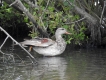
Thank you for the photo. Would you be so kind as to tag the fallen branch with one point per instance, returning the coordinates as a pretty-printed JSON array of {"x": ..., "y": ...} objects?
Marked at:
[{"x": 8, "y": 36}]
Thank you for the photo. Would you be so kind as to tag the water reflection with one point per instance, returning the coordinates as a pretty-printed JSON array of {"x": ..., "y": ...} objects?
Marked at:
[
  {"x": 53, "y": 67},
  {"x": 73, "y": 65},
  {"x": 48, "y": 68},
  {"x": 87, "y": 65}
]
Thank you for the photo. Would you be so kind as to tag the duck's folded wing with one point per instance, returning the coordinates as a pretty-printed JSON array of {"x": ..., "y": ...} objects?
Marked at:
[{"x": 40, "y": 42}]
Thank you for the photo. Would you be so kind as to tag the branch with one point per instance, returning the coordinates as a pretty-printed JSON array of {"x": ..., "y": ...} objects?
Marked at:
[
  {"x": 20, "y": 6},
  {"x": 102, "y": 12},
  {"x": 4, "y": 42},
  {"x": 43, "y": 14},
  {"x": 8, "y": 36},
  {"x": 76, "y": 21},
  {"x": 84, "y": 13}
]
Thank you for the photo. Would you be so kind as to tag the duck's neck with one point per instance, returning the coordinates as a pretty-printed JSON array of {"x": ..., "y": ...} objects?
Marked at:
[
  {"x": 59, "y": 38},
  {"x": 60, "y": 43}
]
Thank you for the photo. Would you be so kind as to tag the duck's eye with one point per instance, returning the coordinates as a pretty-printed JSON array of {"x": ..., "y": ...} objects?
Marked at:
[{"x": 62, "y": 29}]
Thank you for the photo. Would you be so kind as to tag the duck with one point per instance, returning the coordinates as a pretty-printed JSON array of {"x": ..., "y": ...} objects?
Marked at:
[{"x": 47, "y": 46}]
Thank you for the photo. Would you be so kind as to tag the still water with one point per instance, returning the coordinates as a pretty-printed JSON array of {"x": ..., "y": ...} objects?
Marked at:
[{"x": 80, "y": 64}]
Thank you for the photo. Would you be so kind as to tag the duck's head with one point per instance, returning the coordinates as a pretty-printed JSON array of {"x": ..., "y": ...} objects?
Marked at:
[{"x": 61, "y": 31}]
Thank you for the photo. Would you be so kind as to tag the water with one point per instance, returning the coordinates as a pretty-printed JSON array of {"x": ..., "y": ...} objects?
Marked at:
[{"x": 78, "y": 64}]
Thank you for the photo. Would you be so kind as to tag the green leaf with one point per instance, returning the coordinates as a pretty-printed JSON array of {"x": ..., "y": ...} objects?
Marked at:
[
  {"x": 8, "y": 10},
  {"x": 26, "y": 19},
  {"x": 65, "y": 26},
  {"x": 77, "y": 16},
  {"x": 51, "y": 9}
]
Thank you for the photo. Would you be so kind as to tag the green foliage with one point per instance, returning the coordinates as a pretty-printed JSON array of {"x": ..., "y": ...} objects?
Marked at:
[
  {"x": 49, "y": 16},
  {"x": 8, "y": 16},
  {"x": 5, "y": 12},
  {"x": 33, "y": 34},
  {"x": 76, "y": 36},
  {"x": 79, "y": 36},
  {"x": 56, "y": 15}
]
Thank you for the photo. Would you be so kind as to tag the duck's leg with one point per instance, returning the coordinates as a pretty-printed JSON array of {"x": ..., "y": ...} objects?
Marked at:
[{"x": 30, "y": 48}]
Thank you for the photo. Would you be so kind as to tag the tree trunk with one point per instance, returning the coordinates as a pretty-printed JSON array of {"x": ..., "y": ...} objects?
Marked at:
[{"x": 94, "y": 24}]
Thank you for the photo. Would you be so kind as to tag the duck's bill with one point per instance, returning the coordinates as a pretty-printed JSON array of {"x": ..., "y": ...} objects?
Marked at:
[{"x": 67, "y": 33}]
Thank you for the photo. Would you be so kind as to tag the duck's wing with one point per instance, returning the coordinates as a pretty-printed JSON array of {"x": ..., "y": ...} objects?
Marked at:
[{"x": 39, "y": 42}]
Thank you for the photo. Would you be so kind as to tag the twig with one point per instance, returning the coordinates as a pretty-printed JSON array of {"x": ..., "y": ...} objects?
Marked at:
[
  {"x": 30, "y": 59},
  {"x": 102, "y": 12},
  {"x": 77, "y": 21},
  {"x": 45, "y": 8},
  {"x": 43, "y": 14},
  {"x": 2, "y": 52},
  {"x": 4, "y": 42},
  {"x": 7, "y": 55},
  {"x": 42, "y": 23},
  {"x": 13, "y": 3}
]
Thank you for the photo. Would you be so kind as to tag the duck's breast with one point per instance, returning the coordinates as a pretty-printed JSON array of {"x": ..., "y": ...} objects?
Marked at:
[{"x": 48, "y": 51}]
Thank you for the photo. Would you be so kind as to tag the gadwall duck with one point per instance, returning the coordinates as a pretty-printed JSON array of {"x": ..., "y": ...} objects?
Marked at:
[{"x": 46, "y": 46}]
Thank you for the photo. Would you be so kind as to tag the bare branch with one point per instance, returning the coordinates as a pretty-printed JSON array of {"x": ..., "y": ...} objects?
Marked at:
[
  {"x": 4, "y": 42},
  {"x": 84, "y": 13},
  {"x": 76, "y": 21},
  {"x": 20, "y": 6},
  {"x": 15, "y": 42},
  {"x": 13, "y": 3},
  {"x": 102, "y": 12},
  {"x": 43, "y": 14}
]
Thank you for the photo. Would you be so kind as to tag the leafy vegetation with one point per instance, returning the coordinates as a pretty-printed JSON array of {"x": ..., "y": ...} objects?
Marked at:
[
  {"x": 49, "y": 15},
  {"x": 8, "y": 15},
  {"x": 12, "y": 20}
]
